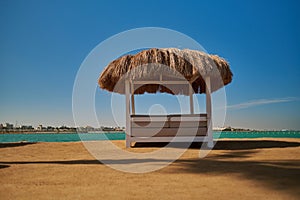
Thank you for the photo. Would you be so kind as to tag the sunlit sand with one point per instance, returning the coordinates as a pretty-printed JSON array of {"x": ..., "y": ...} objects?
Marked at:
[{"x": 237, "y": 169}]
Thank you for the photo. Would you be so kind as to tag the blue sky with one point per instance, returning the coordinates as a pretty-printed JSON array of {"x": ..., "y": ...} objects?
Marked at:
[{"x": 43, "y": 44}]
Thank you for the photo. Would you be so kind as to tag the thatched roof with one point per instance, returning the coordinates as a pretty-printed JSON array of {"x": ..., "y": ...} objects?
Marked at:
[{"x": 169, "y": 63}]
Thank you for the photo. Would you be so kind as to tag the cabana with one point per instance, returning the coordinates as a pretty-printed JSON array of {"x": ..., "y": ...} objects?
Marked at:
[{"x": 172, "y": 71}]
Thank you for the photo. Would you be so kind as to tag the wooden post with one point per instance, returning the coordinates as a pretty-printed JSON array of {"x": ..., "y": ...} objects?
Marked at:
[
  {"x": 191, "y": 99},
  {"x": 132, "y": 104},
  {"x": 127, "y": 104},
  {"x": 132, "y": 99},
  {"x": 209, "y": 112}
]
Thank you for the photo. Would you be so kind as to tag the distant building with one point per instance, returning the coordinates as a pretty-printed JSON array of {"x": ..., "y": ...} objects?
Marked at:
[
  {"x": 50, "y": 128},
  {"x": 8, "y": 126},
  {"x": 228, "y": 128},
  {"x": 40, "y": 127},
  {"x": 26, "y": 128},
  {"x": 118, "y": 129},
  {"x": 89, "y": 128},
  {"x": 66, "y": 129},
  {"x": 63, "y": 128},
  {"x": 108, "y": 129}
]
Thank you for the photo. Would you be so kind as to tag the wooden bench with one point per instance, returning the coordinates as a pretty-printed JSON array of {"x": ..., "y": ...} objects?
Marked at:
[{"x": 167, "y": 128}]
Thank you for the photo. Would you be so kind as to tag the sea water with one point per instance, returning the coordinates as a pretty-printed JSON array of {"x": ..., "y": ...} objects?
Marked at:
[
  {"x": 61, "y": 137},
  {"x": 259, "y": 134},
  {"x": 75, "y": 137}
]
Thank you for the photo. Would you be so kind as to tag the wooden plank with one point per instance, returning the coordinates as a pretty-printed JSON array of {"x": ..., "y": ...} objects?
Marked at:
[
  {"x": 169, "y": 139},
  {"x": 149, "y": 119},
  {"x": 184, "y": 119},
  {"x": 168, "y": 124},
  {"x": 185, "y": 124},
  {"x": 168, "y": 132},
  {"x": 170, "y": 115},
  {"x": 149, "y": 124},
  {"x": 195, "y": 77},
  {"x": 160, "y": 82},
  {"x": 164, "y": 119}
]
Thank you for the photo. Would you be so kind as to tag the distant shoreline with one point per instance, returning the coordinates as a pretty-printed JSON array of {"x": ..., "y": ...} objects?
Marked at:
[
  {"x": 55, "y": 132},
  {"x": 112, "y": 132}
]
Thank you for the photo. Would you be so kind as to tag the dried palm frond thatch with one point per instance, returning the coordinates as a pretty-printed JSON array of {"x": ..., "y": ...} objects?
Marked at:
[{"x": 153, "y": 64}]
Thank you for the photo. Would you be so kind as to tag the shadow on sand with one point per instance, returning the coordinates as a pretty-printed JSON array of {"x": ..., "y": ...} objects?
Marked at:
[
  {"x": 15, "y": 144},
  {"x": 4, "y": 166},
  {"x": 280, "y": 175},
  {"x": 228, "y": 145}
]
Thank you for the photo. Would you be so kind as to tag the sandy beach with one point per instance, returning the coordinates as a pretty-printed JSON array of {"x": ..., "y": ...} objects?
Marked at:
[{"x": 235, "y": 169}]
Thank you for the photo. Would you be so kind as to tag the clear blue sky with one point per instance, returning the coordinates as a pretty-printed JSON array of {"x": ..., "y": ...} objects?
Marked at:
[{"x": 43, "y": 43}]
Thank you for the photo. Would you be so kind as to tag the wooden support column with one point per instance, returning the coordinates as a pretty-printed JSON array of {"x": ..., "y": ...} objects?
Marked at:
[
  {"x": 209, "y": 112},
  {"x": 127, "y": 104},
  {"x": 191, "y": 99},
  {"x": 132, "y": 99}
]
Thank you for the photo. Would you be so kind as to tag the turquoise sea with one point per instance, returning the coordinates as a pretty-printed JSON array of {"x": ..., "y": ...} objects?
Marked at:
[{"x": 73, "y": 137}]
